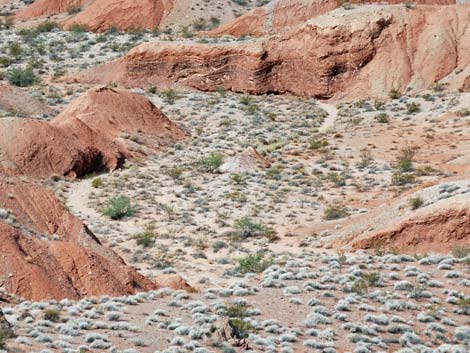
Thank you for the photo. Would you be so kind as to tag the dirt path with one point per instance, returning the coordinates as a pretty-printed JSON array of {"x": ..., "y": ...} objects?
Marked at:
[
  {"x": 77, "y": 201},
  {"x": 332, "y": 115}
]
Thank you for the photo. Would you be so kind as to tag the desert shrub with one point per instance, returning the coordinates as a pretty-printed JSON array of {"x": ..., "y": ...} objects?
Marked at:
[
  {"x": 403, "y": 179},
  {"x": 240, "y": 330},
  {"x": 146, "y": 239},
  {"x": 97, "y": 183},
  {"x": 119, "y": 207},
  {"x": 253, "y": 263},
  {"x": 3, "y": 337},
  {"x": 52, "y": 315},
  {"x": 218, "y": 245},
  {"x": 413, "y": 108},
  {"x": 15, "y": 49},
  {"x": 464, "y": 303},
  {"x": 383, "y": 118},
  {"x": 335, "y": 212},
  {"x": 175, "y": 172},
  {"x": 211, "y": 163},
  {"x": 317, "y": 143},
  {"x": 360, "y": 286},
  {"x": 416, "y": 202},
  {"x": 463, "y": 112},
  {"x": 170, "y": 96},
  {"x": 45, "y": 27},
  {"x": 72, "y": 10},
  {"x": 394, "y": 93},
  {"x": 237, "y": 310},
  {"x": 372, "y": 278},
  {"x": 77, "y": 28},
  {"x": 21, "y": 77},
  {"x": 404, "y": 160},
  {"x": 461, "y": 251},
  {"x": 245, "y": 228}
]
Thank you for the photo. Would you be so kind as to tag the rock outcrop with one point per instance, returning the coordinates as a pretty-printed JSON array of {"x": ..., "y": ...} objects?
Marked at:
[
  {"x": 438, "y": 232},
  {"x": 49, "y": 7},
  {"x": 101, "y": 15},
  {"x": 86, "y": 137},
  {"x": 364, "y": 52},
  {"x": 280, "y": 15},
  {"x": 47, "y": 253},
  {"x": 247, "y": 161}
]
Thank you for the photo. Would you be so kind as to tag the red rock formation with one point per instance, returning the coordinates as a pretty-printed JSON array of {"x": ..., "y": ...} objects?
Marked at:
[
  {"x": 86, "y": 137},
  {"x": 283, "y": 14},
  {"x": 364, "y": 52},
  {"x": 101, "y": 15},
  {"x": 35, "y": 148},
  {"x": 46, "y": 252},
  {"x": 43, "y": 269},
  {"x": 438, "y": 232},
  {"x": 48, "y": 7},
  {"x": 111, "y": 113}
]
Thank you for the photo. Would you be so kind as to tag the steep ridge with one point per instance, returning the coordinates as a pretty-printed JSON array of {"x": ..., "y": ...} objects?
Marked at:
[
  {"x": 362, "y": 52},
  {"x": 48, "y": 253},
  {"x": 86, "y": 137}
]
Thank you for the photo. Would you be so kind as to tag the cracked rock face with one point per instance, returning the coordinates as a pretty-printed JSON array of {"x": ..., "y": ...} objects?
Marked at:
[{"x": 340, "y": 55}]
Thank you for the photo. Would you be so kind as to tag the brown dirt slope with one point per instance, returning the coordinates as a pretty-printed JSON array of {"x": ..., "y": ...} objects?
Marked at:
[
  {"x": 283, "y": 14},
  {"x": 86, "y": 137},
  {"x": 16, "y": 101},
  {"x": 362, "y": 52}
]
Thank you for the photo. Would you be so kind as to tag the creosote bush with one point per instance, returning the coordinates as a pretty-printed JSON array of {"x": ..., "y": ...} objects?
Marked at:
[
  {"x": 52, "y": 315},
  {"x": 335, "y": 212},
  {"x": 416, "y": 202},
  {"x": 211, "y": 163},
  {"x": 253, "y": 263},
  {"x": 97, "y": 183},
  {"x": 461, "y": 251},
  {"x": 245, "y": 228},
  {"x": 146, "y": 239},
  {"x": 119, "y": 207},
  {"x": 21, "y": 77}
]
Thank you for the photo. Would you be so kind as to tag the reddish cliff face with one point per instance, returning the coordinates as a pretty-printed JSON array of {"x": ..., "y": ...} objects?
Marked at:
[
  {"x": 284, "y": 14},
  {"x": 46, "y": 252},
  {"x": 363, "y": 52},
  {"x": 101, "y": 15},
  {"x": 439, "y": 232},
  {"x": 86, "y": 137}
]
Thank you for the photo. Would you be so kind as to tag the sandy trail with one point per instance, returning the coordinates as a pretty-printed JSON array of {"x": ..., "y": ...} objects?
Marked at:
[
  {"x": 332, "y": 115},
  {"x": 77, "y": 200}
]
